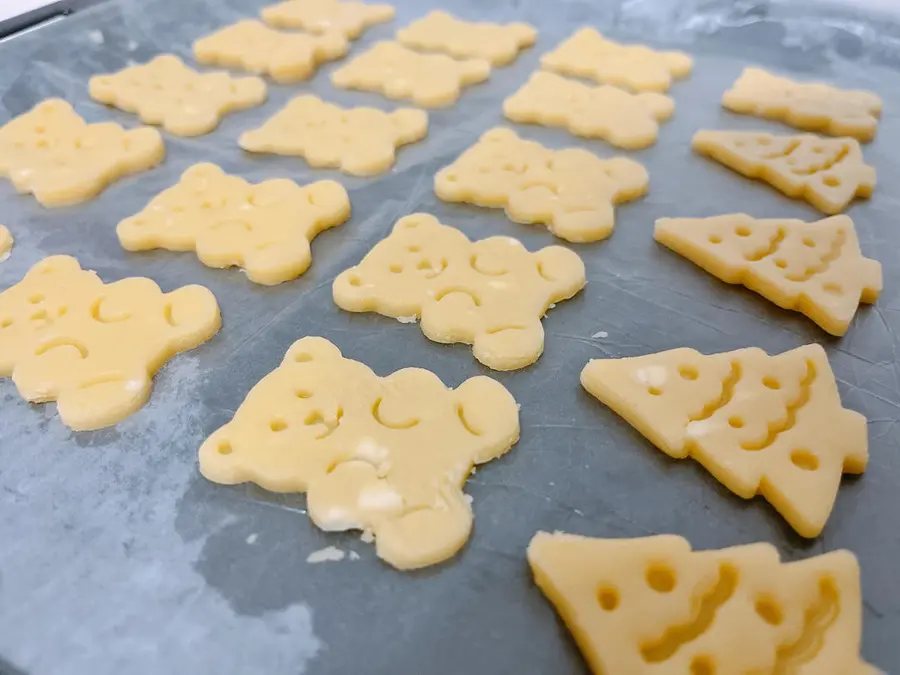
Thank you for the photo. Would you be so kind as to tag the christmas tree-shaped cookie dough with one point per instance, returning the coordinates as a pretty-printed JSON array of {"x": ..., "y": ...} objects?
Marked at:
[
  {"x": 815, "y": 268},
  {"x": 768, "y": 425},
  {"x": 826, "y": 172},
  {"x": 652, "y": 606}
]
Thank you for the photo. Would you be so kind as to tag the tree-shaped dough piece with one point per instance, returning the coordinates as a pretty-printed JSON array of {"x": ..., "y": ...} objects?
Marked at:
[
  {"x": 625, "y": 120},
  {"x": 428, "y": 80},
  {"x": 490, "y": 293},
  {"x": 388, "y": 455},
  {"x": 52, "y": 153},
  {"x": 265, "y": 228},
  {"x": 359, "y": 141},
  {"x": 813, "y": 106},
  {"x": 814, "y": 268},
  {"x": 572, "y": 191},
  {"x": 65, "y": 336},
  {"x": 166, "y": 92},
  {"x": 324, "y": 16},
  {"x": 768, "y": 425},
  {"x": 652, "y": 606},
  {"x": 826, "y": 172}
]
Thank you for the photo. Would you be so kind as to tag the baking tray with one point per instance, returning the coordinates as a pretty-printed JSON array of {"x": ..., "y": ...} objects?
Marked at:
[{"x": 117, "y": 556}]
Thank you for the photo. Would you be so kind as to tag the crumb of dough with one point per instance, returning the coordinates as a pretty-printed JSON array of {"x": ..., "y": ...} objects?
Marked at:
[{"x": 327, "y": 554}]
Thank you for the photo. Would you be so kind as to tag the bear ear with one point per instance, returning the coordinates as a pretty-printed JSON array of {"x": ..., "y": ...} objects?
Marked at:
[
  {"x": 220, "y": 461},
  {"x": 490, "y": 414},
  {"x": 312, "y": 348},
  {"x": 562, "y": 268},
  {"x": 351, "y": 292}
]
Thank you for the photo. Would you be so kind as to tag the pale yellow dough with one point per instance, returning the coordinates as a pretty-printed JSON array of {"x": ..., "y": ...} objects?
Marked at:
[
  {"x": 626, "y": 120},
  {"x": 490, "y": 293},
  {"x": 428, "y": 80},
  {"x": 359, "y": 141},
  {"x": 166, "y": 92},
  {"x": 652, "y": 606},
  {"x": 54, "y": 154},
  {"x": 265, "y": 228},
  {"x": 572, "y": 191},
  {"x": 768, "y": 425},
  {"x": 439, "y": 31},
  {"x": 387, "y": 455},
  {"x": 252, "y": 46},
  {"x": 826, "y": 172},
  {"x": 324, "y": 16},
  {"x": 813, "y": 106},
  {"x": 815, "y": 268},
  {"x": 66, "y": 336},
  {"x": 6, "y": 243},
  {"x": 588, "y": 54}
]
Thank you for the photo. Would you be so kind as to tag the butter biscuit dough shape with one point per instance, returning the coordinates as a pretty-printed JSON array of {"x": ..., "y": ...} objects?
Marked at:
[
  {"x": 253, "y": 46},
  {"x": 52, "y": 153},
  {"x": 490, "y": 293},
  {"x": 387, "y": 455},
  {"x": 65, "y": 336},
  {"x": 325, "y": 16},
  {"x": 359, "y": 141},
  {"x": 815, "y": 268},
  {"x": 826, "y": 172},
  {"x": 266, "y": 228},
  {"x": 760, "y": 424},
  {"x": 623, "y": 119},
  {"x": 166, "y": 92},
  {"x": 811, "y": 106},
  {"x": 439, "y": 31},
  {"x": 572, "y": 191},
  {"x": 428, "y": 80},
  {"x": 588, "y": 54},
  {"x": 6, "y": 243},
  {"x": 653, "y": 606}
]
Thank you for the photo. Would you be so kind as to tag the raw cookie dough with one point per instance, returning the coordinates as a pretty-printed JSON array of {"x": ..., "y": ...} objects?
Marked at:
[
  {"x": 768, "y": 425},
  {"x": 428, "y": 80},
  {"x": 54, "y": 154},
  {"x": 815, "y": 268},
  {"x": 65, "y": 336},
  {"x": 826, "y": 172},
  {"x": 386, "y": 455},
  {"x": 590, "y": 55},
  {"x": 359, "y": 141},
  {"x": 265, "y": 228},
  {"x": 629, "y": 121},
  {"x": 490, "y": 294},
  {"x": 439, "y": 31},
  {"x": 185, "y": 102},
  {"x": 323, "y": 16},
  {"x": 6, "y": 243},
  {"x": 252, "y": 46},
  {"x": 652, "y": 606},
  {"x": 813, "y": 106},
  {"x": 571, "y": 190}
]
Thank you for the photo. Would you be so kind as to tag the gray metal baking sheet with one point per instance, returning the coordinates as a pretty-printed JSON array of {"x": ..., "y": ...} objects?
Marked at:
[{"x": 116, "y": 556}]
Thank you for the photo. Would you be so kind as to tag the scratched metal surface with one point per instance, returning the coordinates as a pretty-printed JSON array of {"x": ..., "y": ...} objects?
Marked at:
[{"x": 116, "y": 556}]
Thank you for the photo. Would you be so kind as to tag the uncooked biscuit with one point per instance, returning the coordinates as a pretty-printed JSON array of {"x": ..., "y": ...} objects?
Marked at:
[
  {"x": 252, "y": 46},
  {"x": 359, "y": 141},
  {"x": 588, "y": 54},
  {"x": 572, "y": 191},
  {"x": 652, "y": 606},
  {"x": 185, "y": 102},
  {"x": 6, "y": 243},
  {"x": 386, "y": 455},
  {"x": 625, "y": 120},
  {"x": 324, "y": 16},
  {"x": 265, "y": 228},
  {"x": 51, "y": 152},
  {"x": 439, "y": 31},
  {"x": 826, "y": 172},
  {"x": 813, "y": 106},
  {"x": 768, "y": 425},
  {"x": 490, "y": 293},
  {"x": 815, "y": 268},
  {"x": 65, "y": 336},
  {"x": 428, "y": 80}
]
